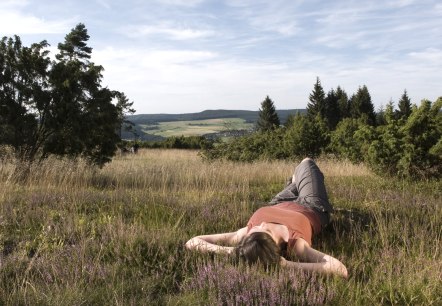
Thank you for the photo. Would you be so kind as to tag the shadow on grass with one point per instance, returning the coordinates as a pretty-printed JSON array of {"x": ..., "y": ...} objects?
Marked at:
[
  {"x": 345, "y": 236},
  {"x": 345, "y": 220}
]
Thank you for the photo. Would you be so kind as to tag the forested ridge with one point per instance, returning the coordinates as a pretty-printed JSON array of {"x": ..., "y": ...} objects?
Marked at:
[{"x": 248, "y": 115}]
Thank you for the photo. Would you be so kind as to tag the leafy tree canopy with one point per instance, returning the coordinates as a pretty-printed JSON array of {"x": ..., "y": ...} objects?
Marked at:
[{"x": 58, "y": 107}]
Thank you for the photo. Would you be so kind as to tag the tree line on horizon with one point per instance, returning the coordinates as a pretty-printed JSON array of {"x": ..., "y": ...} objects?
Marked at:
[
  {"x": 59, "y": 107},
  {"x": 404, "y": 142}
]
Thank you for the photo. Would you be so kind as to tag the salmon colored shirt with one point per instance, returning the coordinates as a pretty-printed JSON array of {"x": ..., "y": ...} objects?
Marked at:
[{"x": 302, "y": 222}]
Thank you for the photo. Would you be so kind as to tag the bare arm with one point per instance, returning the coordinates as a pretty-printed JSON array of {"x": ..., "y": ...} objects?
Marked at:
[
  {"x": 212, "y": 243},
  {"x": 314, "y": 260}
]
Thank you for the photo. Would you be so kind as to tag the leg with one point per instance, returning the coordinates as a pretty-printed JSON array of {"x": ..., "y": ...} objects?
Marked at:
[
  {"x": 289, "y": 193},
  {"x": 311, "y": 188}
]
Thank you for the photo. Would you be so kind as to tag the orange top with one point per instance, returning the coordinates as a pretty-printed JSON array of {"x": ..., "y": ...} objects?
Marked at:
[{"x": 302, "y": 222}]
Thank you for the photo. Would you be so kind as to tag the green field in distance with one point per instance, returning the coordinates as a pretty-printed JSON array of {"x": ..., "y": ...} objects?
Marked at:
[{"x": 195, "y": 127}]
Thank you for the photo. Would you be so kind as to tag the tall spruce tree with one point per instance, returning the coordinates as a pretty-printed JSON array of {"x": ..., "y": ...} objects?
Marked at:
[
  {"x": 343, "y": 103},
  {"x": 332, "y": 113},
  {"x": 316, "y": 106},
  {"x": 404, "y": 106},
  {"x": 361, "y": 106},
  {"x": 268, "y": 118}
]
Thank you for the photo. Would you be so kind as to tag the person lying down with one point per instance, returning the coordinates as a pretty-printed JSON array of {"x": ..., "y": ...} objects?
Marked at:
[{"x": 285, "y": 226}]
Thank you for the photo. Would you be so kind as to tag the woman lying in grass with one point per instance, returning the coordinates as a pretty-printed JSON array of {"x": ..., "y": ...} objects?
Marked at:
[{"x": 283, "y": 228}]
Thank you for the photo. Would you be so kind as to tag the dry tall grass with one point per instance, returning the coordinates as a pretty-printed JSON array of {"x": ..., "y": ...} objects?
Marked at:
[{"x": 71, "y": 234}]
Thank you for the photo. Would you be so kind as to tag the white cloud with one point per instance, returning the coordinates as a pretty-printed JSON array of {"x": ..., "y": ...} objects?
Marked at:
[
  {"x": 186, "y": 55},
  {"x": 187, "y": 3},
  {"x": 178, "y": 81},
  {"x": 400, "y": 3},
  {"x": 8, "y": 4},
  {"x": 174, "y": 33},
  {"x": 158, "y": 80},
  {"x": 10, "y": 13},
  {"x": 153, "y": 58},
  {"x": 104, "y": 3},
  {"x": 438, "y": 8},
  {"x": 267, "y": 16},
  {"x": 430, "y": 55}
]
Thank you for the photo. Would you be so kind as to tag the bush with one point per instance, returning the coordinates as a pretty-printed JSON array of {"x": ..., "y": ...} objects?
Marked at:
[
  {"x": 179, "y": 142},
  {"x": 421, "y": 142},
  {"x": 256, "y": 146},
  {"x": 306, "y": 137},
  {"x": 351, "y": 138},
  {"x": 410, "y": 149}
]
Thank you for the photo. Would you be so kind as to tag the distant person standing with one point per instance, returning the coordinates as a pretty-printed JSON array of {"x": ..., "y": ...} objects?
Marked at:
[
  {"x": 135, "y": 148},
  {"x": 284, "y": 228}
]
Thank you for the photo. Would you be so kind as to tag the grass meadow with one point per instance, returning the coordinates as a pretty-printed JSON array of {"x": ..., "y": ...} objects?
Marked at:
[
  {"x": 196, "y": 127},
  {"x": 74, "y": 235}
]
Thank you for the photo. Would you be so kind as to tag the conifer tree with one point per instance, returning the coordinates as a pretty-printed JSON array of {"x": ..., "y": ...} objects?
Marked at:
[
  {"x": 316, "y": 106},
  {"x": 268, "y": 118},
  {"x": 404, "y": 106},
  {"x": 58, "y": 107},
  {"x": 343, "y": 103},
  {"x": 332, "y": 113},
  {"x": 362, "y": 107}
]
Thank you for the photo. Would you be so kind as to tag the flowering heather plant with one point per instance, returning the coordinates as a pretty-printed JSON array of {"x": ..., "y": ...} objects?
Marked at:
[
  {"x": 230, "y": 285},
  {"x": 75, "y": 235}
]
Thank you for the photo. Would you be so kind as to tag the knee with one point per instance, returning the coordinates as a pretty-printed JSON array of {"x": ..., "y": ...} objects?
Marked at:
[{"x": 307, "y": 159}]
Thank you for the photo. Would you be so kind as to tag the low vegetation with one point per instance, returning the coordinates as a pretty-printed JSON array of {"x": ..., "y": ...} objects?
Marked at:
[
  {"x": 407, "y": 147},
  {"x": 76, "y": 235}
]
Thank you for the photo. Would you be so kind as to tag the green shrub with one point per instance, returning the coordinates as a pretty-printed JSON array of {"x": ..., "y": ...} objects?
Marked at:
[
  {"x": 306, "y": 137},
  {"x": 411, "y": 148},
  {"x": 351, "y": 139},
  {"x": 422, "y": 137}
]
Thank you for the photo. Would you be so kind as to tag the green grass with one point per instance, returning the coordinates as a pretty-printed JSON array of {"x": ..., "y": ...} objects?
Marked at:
[
  {"x": 71, "y": 235},
  {"x": 195, "y": 127}
]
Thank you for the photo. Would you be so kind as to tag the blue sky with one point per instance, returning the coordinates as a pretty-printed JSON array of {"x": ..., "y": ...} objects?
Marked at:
[{"x": 181, "y": 56}]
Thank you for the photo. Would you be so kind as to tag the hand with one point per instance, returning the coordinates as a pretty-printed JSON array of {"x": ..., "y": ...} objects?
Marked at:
[{"x": 282, "y": 261}]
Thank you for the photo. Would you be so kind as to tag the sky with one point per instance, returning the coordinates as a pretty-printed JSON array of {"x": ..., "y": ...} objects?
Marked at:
[{"x": 185, "y": 56}]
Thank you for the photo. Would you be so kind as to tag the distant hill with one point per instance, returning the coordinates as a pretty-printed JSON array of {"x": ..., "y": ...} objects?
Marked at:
[
  {"x": 159, "y": 126},
  {"x": 249, "y": 116}
]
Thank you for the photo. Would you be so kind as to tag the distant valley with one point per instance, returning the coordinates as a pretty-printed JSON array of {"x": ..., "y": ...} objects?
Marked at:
[{"x": 151, "y": 127}]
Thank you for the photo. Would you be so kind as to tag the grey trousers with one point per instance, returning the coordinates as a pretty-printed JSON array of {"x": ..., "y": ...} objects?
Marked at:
[{"x": 308, "y": 190}]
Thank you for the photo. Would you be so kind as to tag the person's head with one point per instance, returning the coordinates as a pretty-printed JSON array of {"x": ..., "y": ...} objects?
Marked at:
[{"x": 258, "y": 247}]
